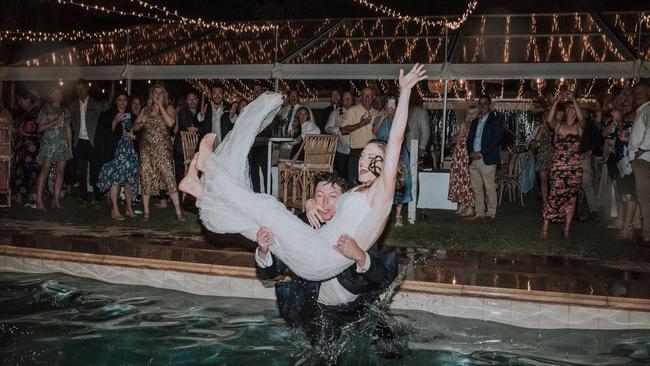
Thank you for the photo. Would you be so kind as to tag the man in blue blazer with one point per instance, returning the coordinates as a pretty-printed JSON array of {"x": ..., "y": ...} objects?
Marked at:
[{"x": 483, "y": 148}]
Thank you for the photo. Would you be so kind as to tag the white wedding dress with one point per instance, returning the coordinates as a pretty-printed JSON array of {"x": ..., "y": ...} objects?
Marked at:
[{"x": 229, "y": 205}]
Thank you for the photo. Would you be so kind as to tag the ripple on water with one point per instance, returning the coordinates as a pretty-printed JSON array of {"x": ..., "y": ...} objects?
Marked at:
[{"x": 58, "y": 319}]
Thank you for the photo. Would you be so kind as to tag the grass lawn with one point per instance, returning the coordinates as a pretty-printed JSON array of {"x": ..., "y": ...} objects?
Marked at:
[{"x": 515, "y": 231}]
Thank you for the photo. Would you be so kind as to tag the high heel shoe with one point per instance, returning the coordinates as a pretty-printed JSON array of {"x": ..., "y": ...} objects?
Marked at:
[
  {"x": 180, "y": 217},
  {"x": 543, "y": 235},
  {"x": 129, "y": 213},
  {"x": 565, "y": 234},
  {"x": 146, "y": 217}
]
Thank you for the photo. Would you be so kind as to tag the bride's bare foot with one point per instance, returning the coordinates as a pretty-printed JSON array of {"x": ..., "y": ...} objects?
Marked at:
[
  {"x": 191, "y": 184},
  {"x": 206, "y": 148}
]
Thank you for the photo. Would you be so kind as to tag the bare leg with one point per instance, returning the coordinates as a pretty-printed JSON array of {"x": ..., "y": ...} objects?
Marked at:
[
  {"x": 544, "y": 233},
  {"x": 40, "y": 183},
  {"x": 205, "y": 150},
  {"x": 177, "y": 206},
  {"x": 191, "y": 184},
  {"x": 58, "y": 183},
  {"x": 128, "y": 195},
  {"x": 543, "y": 177},
  {"x": 115, "y": 212},
  {"x": 567, "y": 223},
  {"x": 145, "y": 203},
  {"x": 398, "y": 214}
]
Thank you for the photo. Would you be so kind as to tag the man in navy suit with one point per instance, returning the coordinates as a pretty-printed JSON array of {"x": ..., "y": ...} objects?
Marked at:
[{"x": 483, "y": 148}]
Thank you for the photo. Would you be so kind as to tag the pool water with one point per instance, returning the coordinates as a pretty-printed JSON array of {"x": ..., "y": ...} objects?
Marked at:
[{"x": 55, "y": 319}]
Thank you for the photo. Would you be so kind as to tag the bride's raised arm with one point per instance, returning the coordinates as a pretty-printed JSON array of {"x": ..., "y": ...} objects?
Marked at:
[{"x": 384, "y": 187}]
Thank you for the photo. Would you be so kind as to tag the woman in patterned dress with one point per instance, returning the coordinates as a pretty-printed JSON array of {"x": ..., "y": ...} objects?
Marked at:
[
  {"x": 123, "y": 168},
  {"x": 542, "y": 145},
  {"x": 156, "y": 161},
  {"x": 566, "y": 172},
  {"x": 56, "y": 146},
  {"x": 25, "y": 169},
  {"x": 460, "y": 187},
  {"x": 381, "y": 128}
]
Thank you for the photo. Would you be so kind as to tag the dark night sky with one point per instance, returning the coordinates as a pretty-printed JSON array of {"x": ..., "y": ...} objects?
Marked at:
[{"x": 47, "y": 15}]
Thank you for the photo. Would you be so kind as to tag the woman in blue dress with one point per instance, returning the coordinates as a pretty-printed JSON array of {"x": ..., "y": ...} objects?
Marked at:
[
  {"x": 122, "y": 169},
  {"x": 381, "y": 128}
]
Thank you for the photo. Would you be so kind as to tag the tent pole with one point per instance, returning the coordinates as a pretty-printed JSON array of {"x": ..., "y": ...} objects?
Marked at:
[
  {"x": 444, "y": 124},
  {"x": 444, "y": 103}
]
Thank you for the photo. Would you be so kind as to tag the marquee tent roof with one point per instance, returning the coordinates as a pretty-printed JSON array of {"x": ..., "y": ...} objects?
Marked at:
[{"x": 509, "y": 46}]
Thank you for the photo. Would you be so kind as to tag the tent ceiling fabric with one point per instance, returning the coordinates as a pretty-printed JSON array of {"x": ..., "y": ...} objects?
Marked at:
[{"x": 517, "y": 46}]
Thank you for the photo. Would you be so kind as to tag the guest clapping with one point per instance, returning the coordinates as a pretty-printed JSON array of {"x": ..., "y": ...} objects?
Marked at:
[
  {"x": 56, "y": 145},
  {"x": 156, "y": 163}
]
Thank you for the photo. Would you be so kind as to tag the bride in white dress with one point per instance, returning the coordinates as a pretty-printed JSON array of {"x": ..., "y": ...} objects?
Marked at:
[{"x": 228, "y": 205}]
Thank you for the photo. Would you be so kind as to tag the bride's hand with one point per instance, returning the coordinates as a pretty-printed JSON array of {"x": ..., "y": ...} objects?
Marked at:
[
  {"x": 416, "y": 74},
  {"x": 313, "y": 210}
]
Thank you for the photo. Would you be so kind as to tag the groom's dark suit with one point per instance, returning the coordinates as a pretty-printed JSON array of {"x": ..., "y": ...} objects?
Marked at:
[{"x": 297, "y": 300}]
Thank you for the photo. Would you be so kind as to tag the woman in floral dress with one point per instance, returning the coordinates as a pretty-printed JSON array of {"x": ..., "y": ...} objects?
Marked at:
[
  {"x": 122, "y": 170},
  {"x": 156, "y": 161},
  {"x": 460, "y": 187},
  {"x": 56, "y": 146},
  {"x": 566, "y": 172},
  {"x": 25, "y": 169}
]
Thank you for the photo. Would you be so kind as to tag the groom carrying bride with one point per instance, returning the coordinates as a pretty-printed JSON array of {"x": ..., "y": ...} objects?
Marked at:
[{"x": 322, "y": 309}]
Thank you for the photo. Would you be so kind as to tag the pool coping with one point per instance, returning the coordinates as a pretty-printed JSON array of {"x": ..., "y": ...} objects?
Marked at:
[{"x": 408, "y": 285}]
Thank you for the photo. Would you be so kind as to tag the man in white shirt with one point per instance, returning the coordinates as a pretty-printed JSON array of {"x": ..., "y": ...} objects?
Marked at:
[
  {"x": 84, "y": 114},
  {"x": 639, "y": 154},
  {"x": 358, "y": 124},
  {"x": 333, "y": 127},
  {"x": 323, "y": 308},
  {"x": 287, "y": 114},
  {"x": 214, "y": 116}
]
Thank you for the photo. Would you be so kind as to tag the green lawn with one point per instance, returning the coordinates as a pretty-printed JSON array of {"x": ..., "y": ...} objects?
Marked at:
[{"x": 515, "y": 231}]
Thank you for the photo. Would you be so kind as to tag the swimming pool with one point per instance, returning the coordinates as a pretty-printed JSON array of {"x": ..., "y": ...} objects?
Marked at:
[{"x": 56, "y": 319}]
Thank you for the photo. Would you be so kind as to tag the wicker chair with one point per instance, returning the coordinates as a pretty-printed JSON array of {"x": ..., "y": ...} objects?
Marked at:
[
  {"x": 5, "y": 162},
  {"x": 297, "y": 177},
  {"x": 188, "y": 144}
]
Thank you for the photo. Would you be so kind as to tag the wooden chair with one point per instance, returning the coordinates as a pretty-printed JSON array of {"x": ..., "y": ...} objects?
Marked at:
[
  {"x": 319, "y": 152},
  {"x": 188, "y": 144},
  {"x": 5, "y": 162}
]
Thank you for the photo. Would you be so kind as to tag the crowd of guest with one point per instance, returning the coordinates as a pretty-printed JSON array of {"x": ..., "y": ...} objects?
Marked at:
[
  {"x": 134, "y": 146},
  {"x": 568, "y": 148}
]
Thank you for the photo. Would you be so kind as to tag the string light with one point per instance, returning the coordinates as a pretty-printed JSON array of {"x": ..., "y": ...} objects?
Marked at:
[
  {"x": 421, "y": 20},
  {"x": 240, "y": 27},
  {"x": 78, "y": 35}
]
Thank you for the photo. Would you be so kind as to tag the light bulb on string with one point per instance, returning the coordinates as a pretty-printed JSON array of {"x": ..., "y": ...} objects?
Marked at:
[{"x": 60, "y": 82}]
